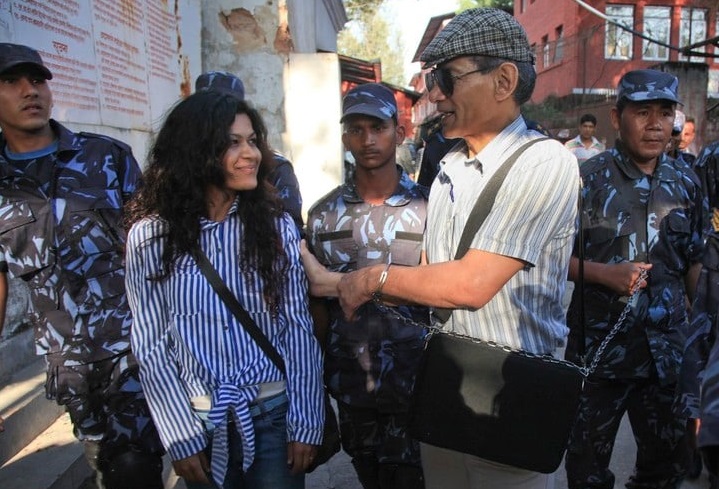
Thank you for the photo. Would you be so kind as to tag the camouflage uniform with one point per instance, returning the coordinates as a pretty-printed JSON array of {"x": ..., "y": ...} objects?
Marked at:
[
  {"x": 706, "y": 349},
  {"x": 704, "y": 308},
  {"x": 700, "y": 365},
  {"x": 62, "y": 233},
  {"x": 630, "y": 216},
  {"x": 285, "y": 181},
  {"x": 370, "y": 363}
]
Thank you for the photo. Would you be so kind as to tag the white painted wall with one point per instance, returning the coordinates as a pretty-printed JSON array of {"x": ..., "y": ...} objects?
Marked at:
[{"x": 313, "y": 106}]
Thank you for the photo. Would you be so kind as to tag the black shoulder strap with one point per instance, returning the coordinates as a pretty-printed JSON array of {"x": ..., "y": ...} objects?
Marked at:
[
  {"x": 486, "y": 199},
  {"x": 480, "y": 211},
  {"x": 237, "y": 310}
]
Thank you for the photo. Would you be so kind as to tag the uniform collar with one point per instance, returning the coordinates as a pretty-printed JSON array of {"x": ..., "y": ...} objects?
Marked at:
[
  {"x": 402, "y": 193},
  {"x": 67, "y": 140},
  {"x": 664, "y": 170}
]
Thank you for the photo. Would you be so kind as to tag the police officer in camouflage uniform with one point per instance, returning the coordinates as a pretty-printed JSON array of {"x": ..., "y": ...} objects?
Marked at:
[
  {"x": 700, "y": 366},
  {"x": 377, "y": 217},
  {"x": 61, "y": 197},
  {"x": 641, "y": 210},
  {"x": 701, "y": 359}
]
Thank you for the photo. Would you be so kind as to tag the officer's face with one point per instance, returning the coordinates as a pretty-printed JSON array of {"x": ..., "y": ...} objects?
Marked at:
[
  {"x": 645, "y": 128},
  {"x": 242, "y": 158},
  {"x": 25, "y": 100},
  {"x": 371, "y": 141}
]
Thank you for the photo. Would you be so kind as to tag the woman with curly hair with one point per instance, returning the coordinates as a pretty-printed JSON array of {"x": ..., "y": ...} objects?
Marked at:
[{"x": 224, "y": 411}]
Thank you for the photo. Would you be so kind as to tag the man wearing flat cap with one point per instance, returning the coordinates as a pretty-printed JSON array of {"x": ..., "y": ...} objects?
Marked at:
[
  {"x": 508, "y": 287},
  {"x": 642, "y": 211},
  {"x": 61, "y": 200},
  {"x": 376, "y": 218}
]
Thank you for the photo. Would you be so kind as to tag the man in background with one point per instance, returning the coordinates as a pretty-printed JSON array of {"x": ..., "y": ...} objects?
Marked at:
[
  {"x": 585, "y": 145},
  {"x": 686, "y": 142}
]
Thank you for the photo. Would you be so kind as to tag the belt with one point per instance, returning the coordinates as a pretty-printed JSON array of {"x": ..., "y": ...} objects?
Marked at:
[{"x": 263, "y": 406}]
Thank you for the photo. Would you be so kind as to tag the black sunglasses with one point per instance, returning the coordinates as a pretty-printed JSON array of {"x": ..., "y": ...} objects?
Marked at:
[{"x": 444, "y": 79}]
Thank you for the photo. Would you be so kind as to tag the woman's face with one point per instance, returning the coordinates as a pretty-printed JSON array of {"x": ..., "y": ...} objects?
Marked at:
[{"x": 242, "y": 158}]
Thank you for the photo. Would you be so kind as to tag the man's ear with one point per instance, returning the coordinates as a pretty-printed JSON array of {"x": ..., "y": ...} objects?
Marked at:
[
  {"x": 400, "y": 132},
  {"x": 615, "y": 117},
  {"x": 506, "y": 78}
]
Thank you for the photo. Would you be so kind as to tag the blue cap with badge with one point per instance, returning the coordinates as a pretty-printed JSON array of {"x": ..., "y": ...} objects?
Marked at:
[
  {"x": 221, "y": 81},
  {"x": 372, "y": 99},
  {"x": 643, "y": 85}
]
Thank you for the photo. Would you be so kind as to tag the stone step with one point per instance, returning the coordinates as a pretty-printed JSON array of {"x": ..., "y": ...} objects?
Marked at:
[
  {"x": 26, "y": 411},
  {"x": 16, "y": 352},
  {"x": 55, "y": 460}
]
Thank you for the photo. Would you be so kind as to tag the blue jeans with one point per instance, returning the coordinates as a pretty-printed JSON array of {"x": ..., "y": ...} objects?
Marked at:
[{"x": 269, "y": 469}]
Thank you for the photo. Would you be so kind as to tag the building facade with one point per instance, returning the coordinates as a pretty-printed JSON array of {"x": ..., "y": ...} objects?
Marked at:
[
  {"x": 582, "y": 51},
  {"x": 579, "y": 52}
]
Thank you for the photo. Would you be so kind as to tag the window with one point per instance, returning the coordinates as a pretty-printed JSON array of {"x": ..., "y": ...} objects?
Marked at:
[
  {"x": 657, "y": 25},
  {"x": 713, "y": 85},
  {"x": 559, "y": 49},
  {"x": 618, "y": 42},
  {"x": 692, "y": 29},
  {"x": 545, "y": 51}
]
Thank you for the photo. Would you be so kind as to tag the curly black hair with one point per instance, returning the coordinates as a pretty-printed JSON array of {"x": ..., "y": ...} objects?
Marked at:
[{"x": 185, "y": 159}]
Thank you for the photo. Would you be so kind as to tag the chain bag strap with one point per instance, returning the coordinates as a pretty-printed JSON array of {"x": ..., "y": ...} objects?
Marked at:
[
  {"x": 507, "y": 405},
  {"x": 586, "y": 370}
]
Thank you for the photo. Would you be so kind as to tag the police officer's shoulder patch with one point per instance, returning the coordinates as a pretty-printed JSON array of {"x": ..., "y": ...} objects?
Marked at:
[{"x": 91, "y": 135}]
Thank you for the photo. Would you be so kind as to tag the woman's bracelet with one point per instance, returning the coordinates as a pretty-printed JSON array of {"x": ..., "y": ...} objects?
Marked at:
[{"x": 377, "y": 294}]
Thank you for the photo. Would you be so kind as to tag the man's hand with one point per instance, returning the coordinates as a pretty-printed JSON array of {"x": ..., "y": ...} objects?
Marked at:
[
  {"x": 354, "y": 290},
  {"x": 623, "y": 277},
  {"x": 194, "y": 468},
  {"x": 300, "y": 456},
  {"x": 323, "y": 283}
]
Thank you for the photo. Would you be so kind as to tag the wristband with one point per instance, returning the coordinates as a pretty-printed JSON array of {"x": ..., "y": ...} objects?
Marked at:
[{"x": 382, "y": 280}]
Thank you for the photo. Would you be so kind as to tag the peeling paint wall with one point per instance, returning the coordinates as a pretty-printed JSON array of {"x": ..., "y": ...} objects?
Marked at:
[{"x": 240, "y": 36}]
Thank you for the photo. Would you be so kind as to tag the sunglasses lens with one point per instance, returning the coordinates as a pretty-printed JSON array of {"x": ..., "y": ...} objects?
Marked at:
[
  {"x": 442, "y": 78},
  {"x": 429, "y": 80},
  {"x": 445, "y": 81}
]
